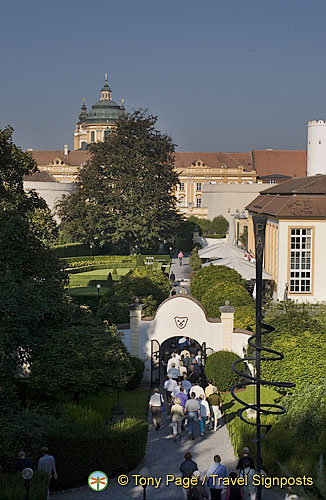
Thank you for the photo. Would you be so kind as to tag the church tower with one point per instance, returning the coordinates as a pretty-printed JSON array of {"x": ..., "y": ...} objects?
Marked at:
[{"x": 95, "y": 125}]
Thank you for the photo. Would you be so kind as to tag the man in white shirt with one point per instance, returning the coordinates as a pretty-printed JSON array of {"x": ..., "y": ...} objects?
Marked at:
[
  {"x": 169, "y": 385},
  {"x": 182, "y": 369},
  {"x": 155, "y": 403},
  {"x": 173, "y": 360},
  {"x": 47, "y": 464},
  {"x": 199, "y": 391}
]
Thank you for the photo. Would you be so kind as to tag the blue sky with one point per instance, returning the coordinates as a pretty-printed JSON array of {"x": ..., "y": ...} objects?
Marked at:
[{"x": 222, "y": 75}]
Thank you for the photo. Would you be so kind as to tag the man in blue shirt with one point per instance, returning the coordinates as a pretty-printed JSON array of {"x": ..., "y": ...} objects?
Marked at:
[
  {"x": 188, "y": 466},
  {"x": 215, "y": 475}
]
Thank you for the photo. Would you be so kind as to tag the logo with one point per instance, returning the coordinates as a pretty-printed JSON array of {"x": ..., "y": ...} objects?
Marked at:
[
  {"x": 98, "y": 481},
  {"x": 181, "y": 321}
]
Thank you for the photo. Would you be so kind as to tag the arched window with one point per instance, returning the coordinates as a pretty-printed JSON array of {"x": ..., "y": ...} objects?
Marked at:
[
  {"x": 83, "y": 145},
  {"x": 93, "y": 136}
]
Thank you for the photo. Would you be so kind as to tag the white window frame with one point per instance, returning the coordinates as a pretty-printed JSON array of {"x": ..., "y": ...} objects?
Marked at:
[
  {"x": 198, "y": 186},
  {"x": 182, "y": 186},
  {"x": 198, "y": 202},
  {"x": 300, "y": 260}
]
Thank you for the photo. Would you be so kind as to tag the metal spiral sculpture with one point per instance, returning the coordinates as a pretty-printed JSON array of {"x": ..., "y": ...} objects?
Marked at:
[{"x": 254, "y": 341}]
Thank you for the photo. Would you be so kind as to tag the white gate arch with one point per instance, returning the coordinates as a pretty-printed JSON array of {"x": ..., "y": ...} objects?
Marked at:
[{"x": 181, "y": 315}]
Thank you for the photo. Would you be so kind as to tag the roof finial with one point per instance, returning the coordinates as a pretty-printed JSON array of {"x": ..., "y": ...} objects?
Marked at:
[
  {"x": 106, "y": 78},
  {"x": 84, "y": 100}
]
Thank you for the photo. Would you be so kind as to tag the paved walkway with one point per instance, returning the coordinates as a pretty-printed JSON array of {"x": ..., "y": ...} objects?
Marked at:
[
  {"x": 163, "y": 456},
  {"x": 181, "y": 273}
]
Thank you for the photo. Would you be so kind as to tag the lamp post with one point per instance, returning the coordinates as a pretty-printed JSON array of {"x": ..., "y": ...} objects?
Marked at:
[
  {"x": 145, "y": 474},
  {"x": 27, "y": 476},
  {"x": 98, "y": 286},
  {"x": 136, "y": 247},
  {"x": 171, "y": 250},
  {"x": 91, "y": 250}
]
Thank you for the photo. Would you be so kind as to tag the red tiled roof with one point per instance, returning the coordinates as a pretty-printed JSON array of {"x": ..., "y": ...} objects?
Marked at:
[
  {"x": 231, "y": 160},
  {"x": 296, "y": 198},
  {"x": 76, "y": 158},
  {"x": 284, "y": 162}
]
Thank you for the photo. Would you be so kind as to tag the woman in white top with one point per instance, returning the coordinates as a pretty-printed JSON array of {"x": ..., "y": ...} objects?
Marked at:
[
  {"x": 177, "y": 413},
  {"x": 182, "y": 369}
]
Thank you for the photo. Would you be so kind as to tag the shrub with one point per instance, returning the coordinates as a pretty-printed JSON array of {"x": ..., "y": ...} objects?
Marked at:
[
  {"x": 109, "y": 281},
  {"x": 82, "y": 450},
  {"x": 218, "y": 367},
  {"x": 218, "y": 294},
  {"x": 139, "y": 367},
  {"x": 210, "y": 276},
  {"x": 12, "y": 487},
  {"x": 80, "y": 416},
  {"x": 139, "y": 260},
  {"x": 195, "y": 260},
  {"x": 245, "y": 317},
  {"x": 220, "y": 225}
]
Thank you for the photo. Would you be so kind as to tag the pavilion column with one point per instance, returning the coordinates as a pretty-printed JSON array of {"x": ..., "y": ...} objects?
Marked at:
[
  {"x": 135, "y": 319},
  {"x": 227, "y": 320}
]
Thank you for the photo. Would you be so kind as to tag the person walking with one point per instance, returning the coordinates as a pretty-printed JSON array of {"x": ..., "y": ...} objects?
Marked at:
[
  {"x": 165, "y": 359},
  {"x": 197, "y": 491},
  {"x": 245, "y": 455},
  {"x": 249, "y": 489},
  {"x": 168, "y": 386},
  {"x": 174, "y": 360},
  {"x": 199, "y": 391},
  {"x": 182, "y": 369},
  {"x": 216, "y": 403},
  {"x": 182, "y": 395},
  {"x": 204, "y": 413},
  {"x": 186, "y": 384},
  {"x": 180, "y": 257},
  {"x": 174, "y": 372},
  {"x": 172, "y": 277},
  {"x": 234, "y": 491},
  {"x": 47, "y": 464},
  {"x": 215, "y": 475},
  {"x": 188, "y": 466},
  {"x": 22, "y": 463},
  {"x": 193, "y": 377},
  {"x": 177, "y": 413},
  {"x": 192, "y": 410},
  {"x": 209, "y": 388},
  {"x": 155, "y": 403}
]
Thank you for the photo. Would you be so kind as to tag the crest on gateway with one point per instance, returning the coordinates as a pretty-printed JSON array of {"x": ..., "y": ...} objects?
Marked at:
[{"x": 181, "y": 321}]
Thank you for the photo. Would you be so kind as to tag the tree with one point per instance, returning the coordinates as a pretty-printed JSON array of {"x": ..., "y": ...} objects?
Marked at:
[
  {"x": 82, "y": 360},
  {"x": 211, "y": 275},
  {"x": 204, "y": 224},
  {"x": 125, "y": 190},
  {"x": 32, "y": 282},
  {"x": 216, "y": 296},
  {"x": 220, "y": 225}
]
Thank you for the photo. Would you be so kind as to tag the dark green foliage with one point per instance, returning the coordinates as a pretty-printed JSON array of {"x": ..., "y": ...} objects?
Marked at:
[
  {"x": 244, "y": 237},
  {"x": 149, "y": 285},
  {"x": 245, "y": 317},
  {"x": 218, "y": 367},
  {"x": 109, "y": 281},
  {"x": 217, "y": 295},
  {"x": 203, "y": 224},
  {"x": 211, "y": 275},
  {"x": 71, "y": 250},
  {"x": 139, "y": 367},
  {"x": 139, "y": 260},
  {"x": 220, "y": 225},
  {"x": 128, "y": 185},
  {"x": 12, "y": 487},
  {"x": 81, "y": 451},
  {"x": 195, "y": 260},
  {"x": 82, "y": 359}
]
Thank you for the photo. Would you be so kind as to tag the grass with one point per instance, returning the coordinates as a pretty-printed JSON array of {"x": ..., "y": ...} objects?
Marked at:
[
  {"x": 268, "y": 395},
  {"x": 87, "y": 278},
  {"x": 135, "y": 403}
]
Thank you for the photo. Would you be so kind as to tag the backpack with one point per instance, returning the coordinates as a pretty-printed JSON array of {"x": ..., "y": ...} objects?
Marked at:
[{"x": 192, "y": 493}]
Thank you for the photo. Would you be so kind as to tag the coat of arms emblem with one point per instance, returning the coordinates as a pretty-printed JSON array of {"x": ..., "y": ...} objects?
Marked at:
[{"x": 181, "y": 321}]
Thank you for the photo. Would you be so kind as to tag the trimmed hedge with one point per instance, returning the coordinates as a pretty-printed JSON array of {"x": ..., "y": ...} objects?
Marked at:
[
  {"x": 218, "y": 294},
  {"x": 12, "y": 487},
  {"x": 79, "y": 452},
  {"x": 211, "y": 275},
  {"x": 71, "y": 250},
  {"x": 218, "y": 367},
  {"x": 135, "y": 380},
  {"x": 245, "y": 317}
]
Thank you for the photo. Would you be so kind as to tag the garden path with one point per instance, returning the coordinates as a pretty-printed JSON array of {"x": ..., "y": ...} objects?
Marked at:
[{"x": 181, "y": 272}]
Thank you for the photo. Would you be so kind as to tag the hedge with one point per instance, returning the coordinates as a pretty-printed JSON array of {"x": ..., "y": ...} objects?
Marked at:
[
  {"x": 135, "y": 380},
  {"x": 71, "y": 250},
  {"x": 218, "y": 367},
  {"x": 12, "y": 487},
  {"x": 245, "y": 317},
  {"x": 79, "y": 452},
  {"x": 218, "y": 294},
  {"x": 211, "y": 275}
]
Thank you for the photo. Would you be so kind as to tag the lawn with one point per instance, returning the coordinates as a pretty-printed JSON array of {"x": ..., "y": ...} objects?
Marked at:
[
  {"x": 87, "y": 291},
  {"x": 231, "y": 406},
  {"x": 135, "y": 403},
  {"x": 90, "y": 278}
]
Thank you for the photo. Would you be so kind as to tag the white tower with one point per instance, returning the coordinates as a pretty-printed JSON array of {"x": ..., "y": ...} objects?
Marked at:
[{"x": 316, "y": 150}]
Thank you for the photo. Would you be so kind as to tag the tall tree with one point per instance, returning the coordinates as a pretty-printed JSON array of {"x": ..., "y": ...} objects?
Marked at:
[
  {"x": 31, "y": 281},
  {"x": 125, "y": 190}
]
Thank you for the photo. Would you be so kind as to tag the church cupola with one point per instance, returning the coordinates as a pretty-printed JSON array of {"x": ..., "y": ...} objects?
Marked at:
[
  {"x": 106, "y": 91},
  {"x": 83, "y": 115}
]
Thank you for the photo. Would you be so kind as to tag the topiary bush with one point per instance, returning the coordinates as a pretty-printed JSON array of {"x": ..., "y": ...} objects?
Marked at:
[
  {"x": 211, "y": 275},
  {"x": 139, "y": 260},
  {"x": 139, "y": 367},
  {"x": 195, "y": 260},
  {"x": 218, "y": 294},
  {"x": 245, "y": 317},
  {"x": 218, "y": 367}
]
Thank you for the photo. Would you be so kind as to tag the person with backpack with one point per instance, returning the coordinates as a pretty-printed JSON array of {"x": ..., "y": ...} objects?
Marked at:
[
  {"x": 198, "y": 491},
  {"x": 249, "y": 489},
  {"x": 234, "y": 491},
  {"x": 215, "y": 475},
  {"x": 188, "y": 466}
]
